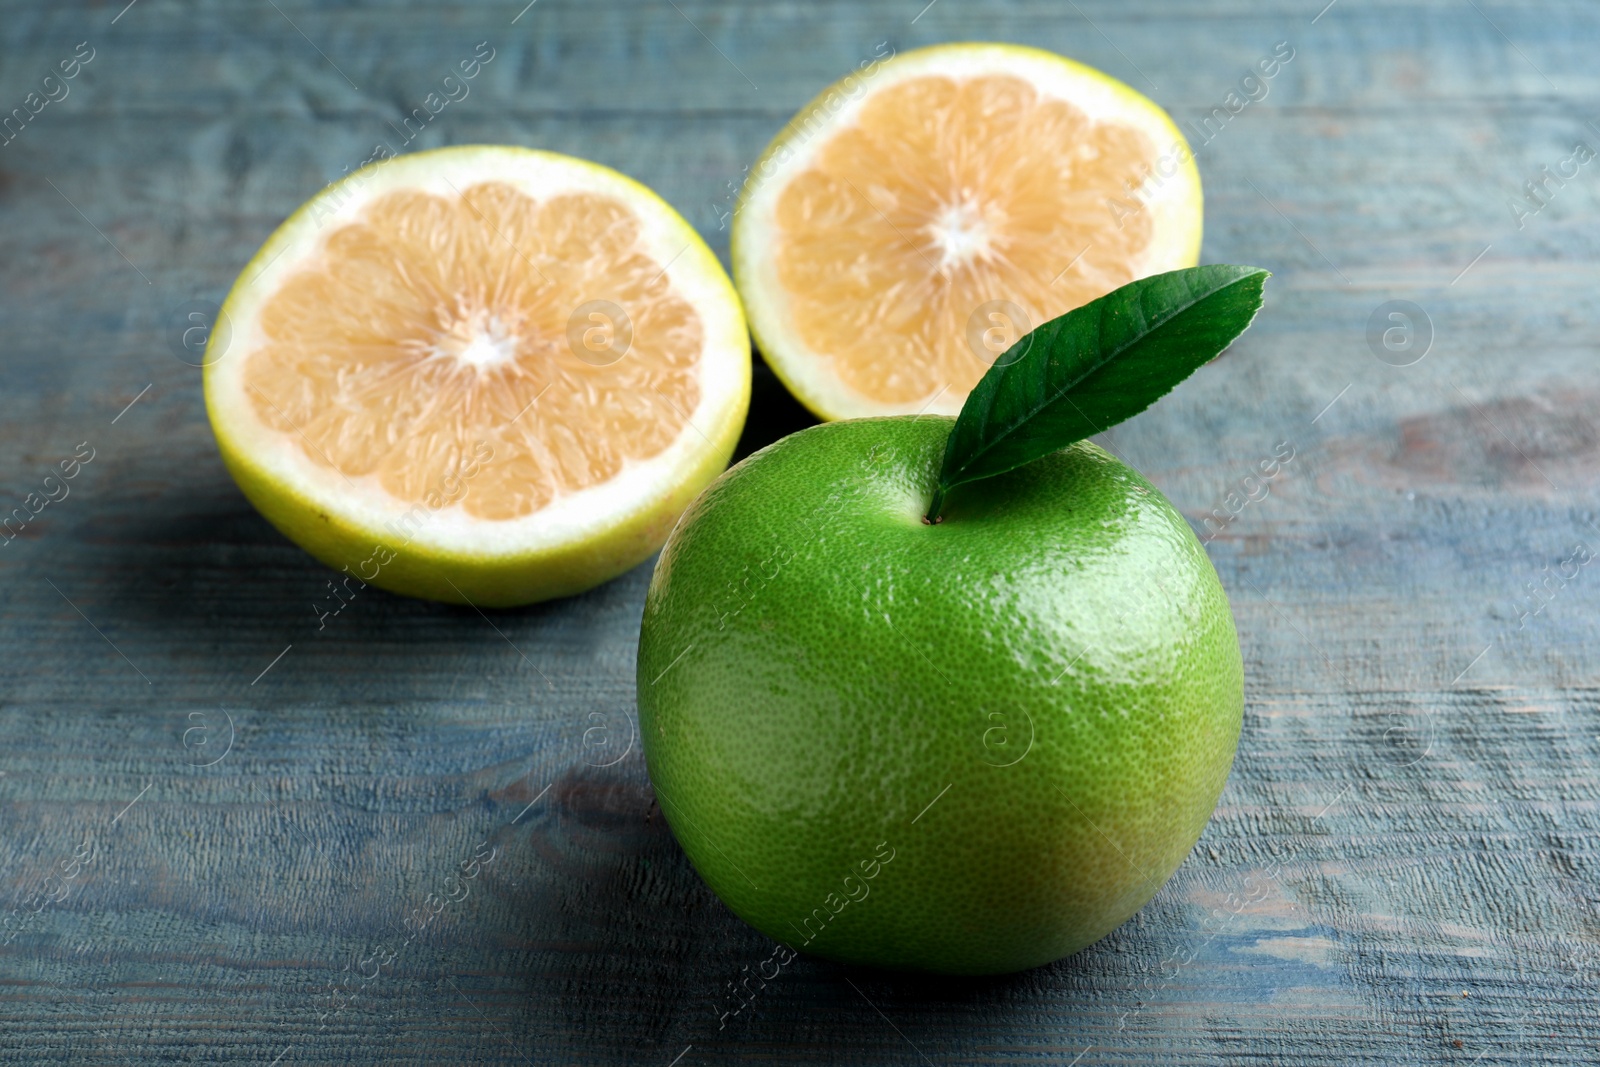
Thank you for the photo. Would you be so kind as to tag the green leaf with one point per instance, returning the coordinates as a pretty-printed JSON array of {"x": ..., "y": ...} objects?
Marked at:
[{"x": 1094, "y": 367}]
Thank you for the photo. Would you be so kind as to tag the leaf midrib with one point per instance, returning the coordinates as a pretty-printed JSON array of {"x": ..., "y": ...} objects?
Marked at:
[{"x": 1052, "y": 397}]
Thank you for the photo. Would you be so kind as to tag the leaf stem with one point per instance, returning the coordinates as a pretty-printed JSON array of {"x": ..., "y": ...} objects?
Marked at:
[{"x": 935, "y": 506}]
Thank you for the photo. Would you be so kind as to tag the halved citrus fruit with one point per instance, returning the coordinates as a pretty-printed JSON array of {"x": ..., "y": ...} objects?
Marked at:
[
  {"x": 481, "y": 374},
  {"x": 927, "y": 211}
]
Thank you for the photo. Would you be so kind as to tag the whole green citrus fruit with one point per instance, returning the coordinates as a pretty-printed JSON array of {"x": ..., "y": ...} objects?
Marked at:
[{"x": 970, "y": 747}]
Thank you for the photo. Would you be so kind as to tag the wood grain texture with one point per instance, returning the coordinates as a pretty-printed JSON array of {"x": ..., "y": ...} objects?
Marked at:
[{"x": 1403, "y": 868}]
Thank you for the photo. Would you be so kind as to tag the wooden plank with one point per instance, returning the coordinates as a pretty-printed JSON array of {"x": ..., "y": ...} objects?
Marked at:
[{"x": 1403, "y": 866}]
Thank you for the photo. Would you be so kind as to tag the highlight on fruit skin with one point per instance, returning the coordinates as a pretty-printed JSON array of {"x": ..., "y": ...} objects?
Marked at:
[
  {"x": 931, "y": 208},
  {"x": 480, "y": 374}
]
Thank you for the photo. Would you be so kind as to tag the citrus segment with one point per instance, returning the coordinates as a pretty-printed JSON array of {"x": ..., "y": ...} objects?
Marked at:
[
  {"x": 439, "y": 355},
  {"x": 516, "y": 362},
  {"x": 888, "y": 249}
]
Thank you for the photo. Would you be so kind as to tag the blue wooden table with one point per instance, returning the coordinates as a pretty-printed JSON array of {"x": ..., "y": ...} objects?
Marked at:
[{"x": 216, "y": 819}]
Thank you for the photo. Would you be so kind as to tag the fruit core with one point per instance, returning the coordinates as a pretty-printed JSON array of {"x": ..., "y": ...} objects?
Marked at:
[{"x": 477, "y": 338}]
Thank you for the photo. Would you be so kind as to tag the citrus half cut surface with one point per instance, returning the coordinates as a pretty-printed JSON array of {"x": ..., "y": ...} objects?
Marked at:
[
  {"x": 479, "y": 374},
  {"x": 927, "y": 211}
]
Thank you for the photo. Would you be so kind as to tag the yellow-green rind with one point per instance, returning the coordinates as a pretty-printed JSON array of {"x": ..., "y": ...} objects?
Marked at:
[
  {"x": 743, "y": 254},
  {"x": 456, "y": 579},
  {"x": 1030, "y": 708},
  {"x": 431, "y": 572}
]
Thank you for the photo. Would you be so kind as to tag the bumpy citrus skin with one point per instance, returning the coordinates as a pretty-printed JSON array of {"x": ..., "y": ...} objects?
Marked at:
[{"x": 970, "y": 748}]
